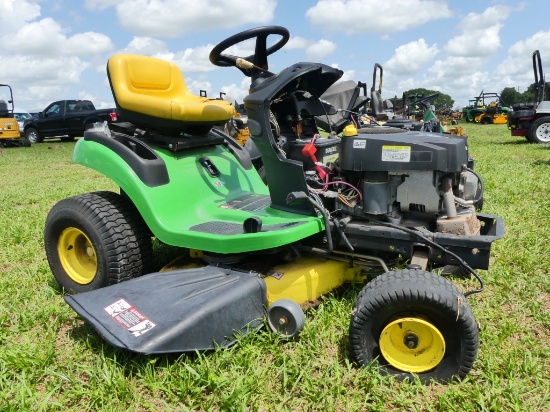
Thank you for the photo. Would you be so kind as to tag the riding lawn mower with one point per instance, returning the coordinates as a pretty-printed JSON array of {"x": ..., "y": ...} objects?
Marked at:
[
  {"x": 333, "y": 208},
  {"x": 532, "y": 120}
]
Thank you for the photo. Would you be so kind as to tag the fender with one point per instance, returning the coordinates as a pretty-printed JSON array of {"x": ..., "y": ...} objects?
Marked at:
[{"x": 199, "y": 198}]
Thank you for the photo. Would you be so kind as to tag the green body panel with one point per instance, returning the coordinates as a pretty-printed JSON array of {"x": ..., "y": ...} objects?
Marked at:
[{"x": 193, "y": 197}]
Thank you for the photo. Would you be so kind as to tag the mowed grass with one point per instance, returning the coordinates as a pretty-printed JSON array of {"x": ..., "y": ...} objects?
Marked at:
[{"x": 51, "y": 360}]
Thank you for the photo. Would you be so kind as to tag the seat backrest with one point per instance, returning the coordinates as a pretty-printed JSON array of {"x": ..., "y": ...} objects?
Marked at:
[
  {"x": 132, "y": 75},
  {"x": 376, "y": 102},
  {"x": 3, "y": 108},
  {"x": 152, "y": 92}
]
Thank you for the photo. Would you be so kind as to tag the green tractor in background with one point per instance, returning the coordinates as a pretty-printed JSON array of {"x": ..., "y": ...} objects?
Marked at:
[{"x": 486, "y": 108}]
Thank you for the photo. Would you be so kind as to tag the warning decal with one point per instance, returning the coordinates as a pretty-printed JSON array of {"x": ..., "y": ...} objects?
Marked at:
[
  {"x": 129, "y": 317},
  {"x": 276, "y": 275},
  {"x": 359, "y": 144},
  {"x": 396, "y": 153}
]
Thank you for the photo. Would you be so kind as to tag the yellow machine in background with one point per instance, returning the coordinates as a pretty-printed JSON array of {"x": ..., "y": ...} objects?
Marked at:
[
  {"x": 493, "y": 114},
  {"x": 9, "y": 128}
]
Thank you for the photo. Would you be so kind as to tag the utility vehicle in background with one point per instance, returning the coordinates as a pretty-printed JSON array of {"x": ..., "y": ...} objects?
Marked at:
[
  {"x": 532, "y": 120},
  {"x": 487, "y": 108},
  {"x": 66, "y": 119},
  {"x": 9, "y": 128}
]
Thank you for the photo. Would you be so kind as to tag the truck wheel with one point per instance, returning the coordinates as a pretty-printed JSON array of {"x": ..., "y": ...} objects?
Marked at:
[
  {"x": 33, "y": 136},
  {"x": 414, "y": 322},
  {"x": 94, "y": 240},
  {"x": 539, "y": 132}
]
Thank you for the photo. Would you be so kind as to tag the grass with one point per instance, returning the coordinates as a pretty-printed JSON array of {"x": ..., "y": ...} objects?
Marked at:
[{"x": 52, "y": 360}]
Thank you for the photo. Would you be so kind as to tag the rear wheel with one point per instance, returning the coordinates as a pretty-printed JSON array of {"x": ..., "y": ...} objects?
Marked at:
[
  {"x": 33, "y": 136},
  {"x": 414, "y": 322},
  {"x": 94, "y": 240},
  {"x": 539, "y": 132}
]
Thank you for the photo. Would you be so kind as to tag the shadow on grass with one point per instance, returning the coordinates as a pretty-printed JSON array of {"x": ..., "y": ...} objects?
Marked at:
[
  {"x": 91, "y": 341},
  {"x": 513, "y": 142}
]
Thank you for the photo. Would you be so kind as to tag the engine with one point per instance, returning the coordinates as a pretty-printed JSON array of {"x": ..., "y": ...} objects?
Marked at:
[
  {"x": 407, "y": 168},
  {"x": 408, "y": 178}
]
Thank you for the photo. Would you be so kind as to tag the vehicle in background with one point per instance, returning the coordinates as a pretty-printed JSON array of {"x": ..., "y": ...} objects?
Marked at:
[
  {"x": 21, "y": 116},
  {"x": 9, "y": 128},
  {"x": 482, "y": 112},
  {"x": 532, "y": 120},
  {"x": 66, "y": 119}
]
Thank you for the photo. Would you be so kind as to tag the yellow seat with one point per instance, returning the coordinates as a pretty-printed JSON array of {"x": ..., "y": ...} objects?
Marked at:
[{"x": 151, "y": 93}]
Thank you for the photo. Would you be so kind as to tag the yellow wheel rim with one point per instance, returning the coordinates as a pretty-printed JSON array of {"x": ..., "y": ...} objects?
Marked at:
[
  {"x": 412, "y": 345},
  {"x": 77, "y": 255}
]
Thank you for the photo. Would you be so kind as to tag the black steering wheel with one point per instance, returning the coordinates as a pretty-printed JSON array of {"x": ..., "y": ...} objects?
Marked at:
[{"x": 259, "y": 58}]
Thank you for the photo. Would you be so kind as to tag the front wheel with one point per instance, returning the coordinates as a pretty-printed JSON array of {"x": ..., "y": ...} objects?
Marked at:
[
  {"x": 33, "y": 136},
  {"x": 539, "y": 132},
  {"x": 411, "y": 322},
  {"x": 486, "y": 120},
  {"x": 94, "y": 240}
]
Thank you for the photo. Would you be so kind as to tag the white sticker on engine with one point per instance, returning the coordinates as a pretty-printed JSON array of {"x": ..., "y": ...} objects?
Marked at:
[
  {"x": 396, "y": 153},
  {"x": 359, "y": 144}
]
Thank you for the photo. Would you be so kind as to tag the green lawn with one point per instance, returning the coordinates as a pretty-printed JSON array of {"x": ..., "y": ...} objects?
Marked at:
[{"x": 52, "y": 360}]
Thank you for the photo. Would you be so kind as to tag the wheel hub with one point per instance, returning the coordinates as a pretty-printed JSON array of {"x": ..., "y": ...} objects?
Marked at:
[
  {"x": 543, "y": 132},
  {"x": 412, "y": 344},
  {"x": 77, "y": 255},
  {"x": 411, "y": 341}
]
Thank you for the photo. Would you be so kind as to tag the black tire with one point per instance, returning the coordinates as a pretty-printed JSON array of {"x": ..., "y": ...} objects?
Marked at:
[
  {"x": 539, "y": 131},
  {"x": 94, "y": 240},
  {"x": 486, "y": 120},
  {"x": 388, "y": 302},
  {"x": 33, "y": 136}
]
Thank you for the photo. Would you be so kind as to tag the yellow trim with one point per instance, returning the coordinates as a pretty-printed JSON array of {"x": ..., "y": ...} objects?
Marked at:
[
  {"x": 412, "y": 345},
  {"x": 77, "y": 255},
  {"x": 157, "y": 88},
  {"x": 307, "y": 279},
  {"x": 9, "y": 128}
]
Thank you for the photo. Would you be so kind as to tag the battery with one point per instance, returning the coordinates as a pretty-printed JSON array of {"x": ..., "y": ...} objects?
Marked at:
[{"x": 328, "y": 150}]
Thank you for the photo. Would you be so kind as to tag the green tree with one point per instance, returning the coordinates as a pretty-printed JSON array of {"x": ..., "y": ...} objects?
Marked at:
[
  {"x": 528, "y": 96},
  {"x": 509, "y": 96}
]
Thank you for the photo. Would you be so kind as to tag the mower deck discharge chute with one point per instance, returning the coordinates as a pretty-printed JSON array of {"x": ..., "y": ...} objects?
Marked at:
[
  {"x": 185, "y": 310},
  {"x": 333, "y": 209}
]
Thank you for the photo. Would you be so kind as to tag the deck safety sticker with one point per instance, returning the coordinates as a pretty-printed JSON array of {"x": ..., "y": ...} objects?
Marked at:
[
  {"x": 129, "y": 317},
  {"x": 396, "y": 153}
]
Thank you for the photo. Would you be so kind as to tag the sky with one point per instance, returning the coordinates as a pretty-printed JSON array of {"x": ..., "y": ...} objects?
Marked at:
[{"x": 58, "y": 49}]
